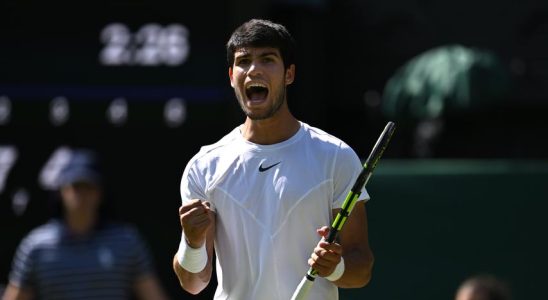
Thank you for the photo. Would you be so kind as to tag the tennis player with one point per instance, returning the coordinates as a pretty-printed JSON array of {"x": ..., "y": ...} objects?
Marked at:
[{"x": 261, "y": 198}]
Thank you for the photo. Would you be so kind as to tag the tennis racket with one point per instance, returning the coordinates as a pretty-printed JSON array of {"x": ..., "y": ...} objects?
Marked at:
[{"x": 301, "y": 293}]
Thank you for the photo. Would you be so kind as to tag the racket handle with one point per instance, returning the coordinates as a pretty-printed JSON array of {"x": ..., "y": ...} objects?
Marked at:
[
  {"x": 302, "y": 290},
  {"x": 332, "y": 235}
]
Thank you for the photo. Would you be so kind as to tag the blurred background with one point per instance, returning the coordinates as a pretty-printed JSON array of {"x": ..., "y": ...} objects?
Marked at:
[{"x": 461, "y": 190}]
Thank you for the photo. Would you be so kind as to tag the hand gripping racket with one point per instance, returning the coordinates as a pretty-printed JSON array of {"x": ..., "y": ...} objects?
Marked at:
[{"x": 301, "y": 293}]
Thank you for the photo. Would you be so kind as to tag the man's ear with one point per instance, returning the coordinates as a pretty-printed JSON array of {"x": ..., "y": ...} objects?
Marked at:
[
  {"x": 290, "y": 74},
  {"x": 230, "y": 76}
]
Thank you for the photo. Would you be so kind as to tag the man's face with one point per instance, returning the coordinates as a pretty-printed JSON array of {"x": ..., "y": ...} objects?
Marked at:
[
  {"x": 259, "y": 80},
  {"x": 470, "y": 293},
  {"x": 81, "y": 196}
]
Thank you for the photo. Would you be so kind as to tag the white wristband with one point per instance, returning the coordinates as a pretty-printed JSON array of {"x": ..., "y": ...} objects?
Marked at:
[
  {"x": 191, "y": 259},
  {"x": 338, "y": 272}
]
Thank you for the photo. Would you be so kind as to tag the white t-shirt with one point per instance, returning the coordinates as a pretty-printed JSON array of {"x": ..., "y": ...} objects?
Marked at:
[{"x": 269, "y": 200}]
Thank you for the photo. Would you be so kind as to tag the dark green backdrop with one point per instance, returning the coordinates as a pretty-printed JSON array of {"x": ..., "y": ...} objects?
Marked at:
[{"x": 434, "y": 223}]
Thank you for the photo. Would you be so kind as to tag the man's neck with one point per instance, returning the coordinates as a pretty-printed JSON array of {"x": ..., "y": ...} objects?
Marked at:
[
  {"x": 80, "y": 223},
  {"x": 270, "y": 131}
]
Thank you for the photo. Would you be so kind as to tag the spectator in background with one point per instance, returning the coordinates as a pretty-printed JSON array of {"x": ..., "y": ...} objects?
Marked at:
[
  {"x": 81, "y": 254},
  {"x": 483, "y": 287}
]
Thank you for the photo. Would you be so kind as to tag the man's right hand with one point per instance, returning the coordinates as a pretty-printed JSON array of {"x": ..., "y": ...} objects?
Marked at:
[{"x": 196, "y": 217}]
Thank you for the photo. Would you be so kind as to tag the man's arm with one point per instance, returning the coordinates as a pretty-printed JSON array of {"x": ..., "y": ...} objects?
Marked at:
[
  {"x": 16, "y": 293},
  {"x": 354, "y": 239},
  {"x": 147, "y": 287},
  {"x": 353, "y": 245},
  {"x": 198, "y": 223}
]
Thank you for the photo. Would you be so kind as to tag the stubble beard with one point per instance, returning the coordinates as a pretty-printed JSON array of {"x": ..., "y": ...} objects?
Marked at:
[{"x": 276, "y": 105}]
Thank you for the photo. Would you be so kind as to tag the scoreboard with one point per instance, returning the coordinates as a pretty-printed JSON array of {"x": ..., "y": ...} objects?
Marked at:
[{"x": 71, "y": 72}]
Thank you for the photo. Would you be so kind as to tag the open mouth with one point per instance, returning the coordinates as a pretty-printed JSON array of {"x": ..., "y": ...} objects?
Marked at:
[{"x": 256, "y": 92}]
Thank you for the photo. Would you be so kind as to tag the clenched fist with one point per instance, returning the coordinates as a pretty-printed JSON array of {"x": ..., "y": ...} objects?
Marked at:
[
  {"x": 326, "y": 256},
  {"x": 196, "y": 217}
]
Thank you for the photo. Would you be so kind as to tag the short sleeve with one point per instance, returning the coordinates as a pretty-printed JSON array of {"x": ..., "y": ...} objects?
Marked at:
[
  {"x": 192, "y": 183},
  {"x": 346, "y": 170},
  {"x": 22, "y": 273}
]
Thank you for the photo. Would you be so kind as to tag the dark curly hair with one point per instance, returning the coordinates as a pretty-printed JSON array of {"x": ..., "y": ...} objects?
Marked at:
[{"x": 262, "y": 33}]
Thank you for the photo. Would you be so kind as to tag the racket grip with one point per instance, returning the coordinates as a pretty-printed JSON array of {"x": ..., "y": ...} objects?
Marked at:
[
  {"x": 332, "y": 235},
  {"x": 302, "y": 290}
]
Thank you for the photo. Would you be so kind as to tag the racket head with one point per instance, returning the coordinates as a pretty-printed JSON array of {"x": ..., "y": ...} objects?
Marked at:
[{"x": 380, "y": 146}]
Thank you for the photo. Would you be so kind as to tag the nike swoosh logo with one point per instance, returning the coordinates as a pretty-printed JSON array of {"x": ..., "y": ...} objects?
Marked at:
[{"x": 261, "y": 169}]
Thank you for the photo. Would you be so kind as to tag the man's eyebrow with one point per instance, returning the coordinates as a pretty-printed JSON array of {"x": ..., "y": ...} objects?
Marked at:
[
  {"x": 269, "y": 53},
  {"x": 264, "y": 54},
  {"x": 243, "y": 54}
]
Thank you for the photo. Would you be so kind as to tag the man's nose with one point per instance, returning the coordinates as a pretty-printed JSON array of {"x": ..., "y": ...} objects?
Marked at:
[{"x": 254, "y": 69}]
